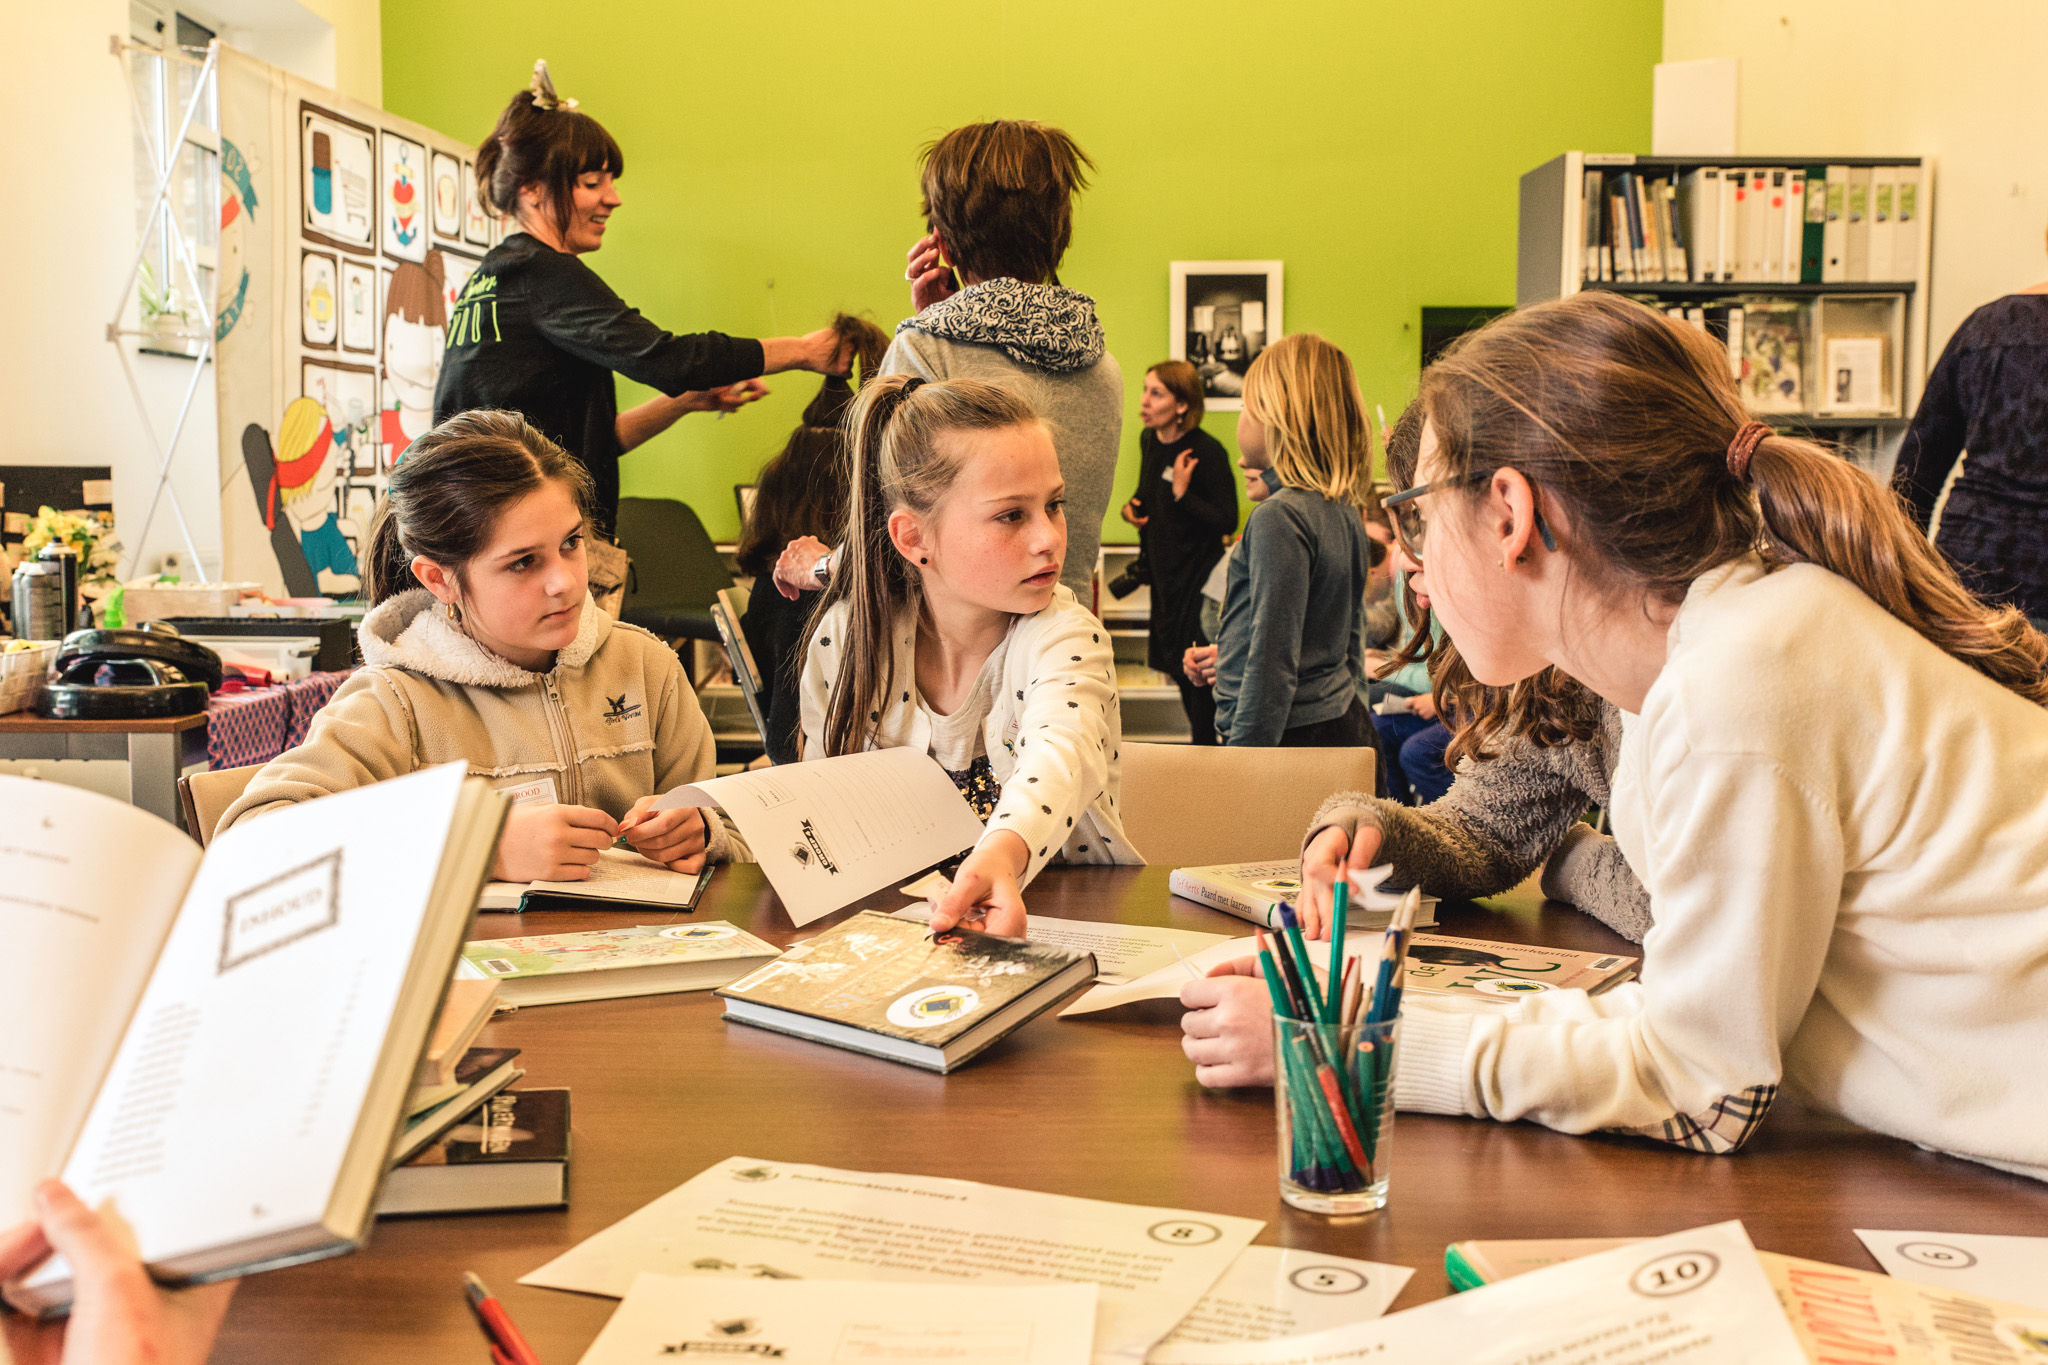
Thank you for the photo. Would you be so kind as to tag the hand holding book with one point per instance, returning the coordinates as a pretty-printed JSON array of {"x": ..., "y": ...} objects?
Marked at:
[{"x": 119, "y": 1313}]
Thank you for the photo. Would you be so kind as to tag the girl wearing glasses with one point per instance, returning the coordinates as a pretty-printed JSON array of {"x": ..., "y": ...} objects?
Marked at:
[{"x": 1848, "y": 872}]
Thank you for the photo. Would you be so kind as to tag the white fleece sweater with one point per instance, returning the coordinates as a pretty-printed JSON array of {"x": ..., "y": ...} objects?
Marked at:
[{"x": 1844, "y": 833}]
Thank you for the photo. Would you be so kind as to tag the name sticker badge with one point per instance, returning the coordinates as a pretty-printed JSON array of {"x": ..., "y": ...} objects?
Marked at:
[{"x": 539, "y": 792}]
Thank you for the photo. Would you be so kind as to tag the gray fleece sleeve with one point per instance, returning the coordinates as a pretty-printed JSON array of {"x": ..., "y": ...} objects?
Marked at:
[{"x": 1498, "y": 823}]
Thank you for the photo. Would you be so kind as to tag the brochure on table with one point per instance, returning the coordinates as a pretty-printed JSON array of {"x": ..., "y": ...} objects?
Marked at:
[
  {"x": 1699, "y": 1295},
  {"x": 2011, "y": 1268},
  {"x": 1123, "y": 952},
  {"x": 778, "y": 1219},
  {"x": 837, "y": 1320}
]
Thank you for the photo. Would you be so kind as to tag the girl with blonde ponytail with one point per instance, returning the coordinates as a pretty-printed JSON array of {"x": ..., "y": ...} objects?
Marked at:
[
  {"x": 945, "y": 628},
  {"x": 1833, "y": 779}
]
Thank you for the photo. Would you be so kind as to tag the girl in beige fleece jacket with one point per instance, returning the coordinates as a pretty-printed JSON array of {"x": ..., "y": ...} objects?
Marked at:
[{"x": 483, "y": 647}]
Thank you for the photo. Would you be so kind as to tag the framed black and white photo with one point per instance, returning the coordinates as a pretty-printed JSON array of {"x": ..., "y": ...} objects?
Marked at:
[{"x": 1223, "y": 313}]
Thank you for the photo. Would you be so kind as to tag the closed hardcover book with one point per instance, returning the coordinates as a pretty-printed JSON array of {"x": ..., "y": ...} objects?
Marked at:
[
  {"x": 465, "y": 1011},
  {"x": 610, "y": 964},
  {"x": 1619, "y": 254},
  {"x": 1253, "y": 891},
  {"x": 512, "y": 1152},
  {"x": 1835, "y": 234},
  {"x": 891, "y": 988},
  {"x": 1502, "y": 973},
  {"x": 1814, "y": 226},
  {"x": 483, "y": 1072}
]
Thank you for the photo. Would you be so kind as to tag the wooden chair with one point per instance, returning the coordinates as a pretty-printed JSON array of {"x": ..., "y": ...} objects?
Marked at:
[
  {"x": 1189, "y": 805},
  {"x": 726, "y": 611},
  {"x": 206, "y": 797}
]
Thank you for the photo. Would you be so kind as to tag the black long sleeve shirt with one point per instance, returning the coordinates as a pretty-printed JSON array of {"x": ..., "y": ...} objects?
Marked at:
[
  {"x": 1183, "y": 537},
  {"x": 1988, "y": 394},
  {"x": 538, "y": 333}
]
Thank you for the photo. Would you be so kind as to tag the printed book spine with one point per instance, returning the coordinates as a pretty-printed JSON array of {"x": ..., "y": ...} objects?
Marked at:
[
  {"x": 1857, "y": 254},
  {"x": 1906, "y": 224},
  {"x": 1703, "y": 204},
  {"x": 1884, "y": 184},
  {"x": 1813, "y": 234},
  {"x": 1242, "y": 904},
  {"x": 1590, "y": 201},
  {"x": 1835, "y": 228}
]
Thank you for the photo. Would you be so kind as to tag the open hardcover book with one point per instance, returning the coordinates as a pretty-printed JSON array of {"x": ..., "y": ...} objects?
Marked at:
[{"x": 221, "y": 1047}]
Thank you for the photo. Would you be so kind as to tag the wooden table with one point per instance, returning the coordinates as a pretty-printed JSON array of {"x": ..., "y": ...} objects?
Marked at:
[
  {"x": 1104, "y": 1107},
  {"x": 156, "y": 751}
]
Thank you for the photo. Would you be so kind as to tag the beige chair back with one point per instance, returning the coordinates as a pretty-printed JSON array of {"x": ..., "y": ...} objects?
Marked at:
[
  {"x": 1187, "y": 805},
  {"x": 206, "y": 797}
]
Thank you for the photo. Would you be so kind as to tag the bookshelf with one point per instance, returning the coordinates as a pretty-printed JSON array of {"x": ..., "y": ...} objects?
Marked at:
[{"x": 1852, "y": 353}]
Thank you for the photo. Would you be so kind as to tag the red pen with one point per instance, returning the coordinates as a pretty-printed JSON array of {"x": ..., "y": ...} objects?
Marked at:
[{"x": 507, "y": 1346}]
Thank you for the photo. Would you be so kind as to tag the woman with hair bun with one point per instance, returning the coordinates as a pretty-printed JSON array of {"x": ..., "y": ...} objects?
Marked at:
[{"x": 537, "y": 332}]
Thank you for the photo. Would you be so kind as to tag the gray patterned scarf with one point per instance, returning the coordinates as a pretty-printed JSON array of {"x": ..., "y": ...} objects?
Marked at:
[{"x": 1042, "y": 325}]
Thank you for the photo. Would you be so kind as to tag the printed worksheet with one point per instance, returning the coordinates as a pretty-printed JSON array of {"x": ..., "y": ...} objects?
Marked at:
[
  {"x": 1693, "y": 1296},
  {"x": 833, "y": 830},
  {"x": 823, "y": 1322},
  {"x": 1123, "y": 952},
  {"x": 2011, "y": 1268},
  {"x": 786, "y": 1220},
  {"x": 1280, "y": 1292}
]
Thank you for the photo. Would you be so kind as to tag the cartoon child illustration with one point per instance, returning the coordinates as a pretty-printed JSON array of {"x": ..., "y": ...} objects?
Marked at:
[
  {"x": 415, "y": 334},
  {"x": 308, "y": 465}
]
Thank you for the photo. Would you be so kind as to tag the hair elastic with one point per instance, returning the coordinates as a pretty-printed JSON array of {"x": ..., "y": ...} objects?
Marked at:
[
  {"x": 910, "y": 386},
  {"x": 1747, "y": 438}
]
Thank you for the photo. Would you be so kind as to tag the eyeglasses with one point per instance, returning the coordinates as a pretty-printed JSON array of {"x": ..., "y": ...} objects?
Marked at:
[{"x": 1404, "y": 510}]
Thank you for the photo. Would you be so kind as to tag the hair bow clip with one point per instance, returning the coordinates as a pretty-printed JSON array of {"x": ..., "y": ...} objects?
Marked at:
[{"x": 542, "y": 88}]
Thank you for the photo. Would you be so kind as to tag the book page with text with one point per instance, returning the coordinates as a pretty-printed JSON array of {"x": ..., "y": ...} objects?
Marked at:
[
  {"x": 832, "y": 830},
  {"x": 88, "y": 888},
  {"x": 235, "y": 1092}
]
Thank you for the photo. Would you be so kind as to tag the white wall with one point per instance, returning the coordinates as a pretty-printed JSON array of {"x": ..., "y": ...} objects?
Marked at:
[
  {"x": 1960, "y": 83},
  {"x": 63, "y": 251}
]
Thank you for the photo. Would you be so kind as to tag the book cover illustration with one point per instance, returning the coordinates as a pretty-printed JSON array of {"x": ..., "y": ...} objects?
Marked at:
[
  {"x": 640, "y": 945},
  {"x": 1505, "y": 972},
  {"x": 894, "y": 977},
  {"x": 512, "y": 1125},
  {"x": 1774, "y": 356}
]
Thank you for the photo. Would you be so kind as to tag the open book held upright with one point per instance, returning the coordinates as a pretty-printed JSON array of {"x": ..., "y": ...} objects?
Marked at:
[{"x": 221, "y": 1047}]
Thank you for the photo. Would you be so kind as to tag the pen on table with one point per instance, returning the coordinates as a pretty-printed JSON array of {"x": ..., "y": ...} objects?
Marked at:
[{"x": 507, "y": 1344}]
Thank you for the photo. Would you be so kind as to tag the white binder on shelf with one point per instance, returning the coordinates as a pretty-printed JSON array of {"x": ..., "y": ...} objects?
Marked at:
[
  {"x": 1834, "y": 261},
  {"x": 1884, "y": 185}
]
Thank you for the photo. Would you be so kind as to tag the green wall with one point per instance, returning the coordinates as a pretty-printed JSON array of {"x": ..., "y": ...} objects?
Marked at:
[{"x": 1374, "y": 147}]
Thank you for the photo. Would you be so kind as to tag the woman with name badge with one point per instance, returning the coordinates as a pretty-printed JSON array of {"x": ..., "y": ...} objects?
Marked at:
[{"x": 537, "y": 332}]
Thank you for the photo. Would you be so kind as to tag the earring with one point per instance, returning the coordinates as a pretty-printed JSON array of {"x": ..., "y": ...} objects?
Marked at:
[
  {"x": 455, "y": 614},
  {"x": 922, "y": 560}
]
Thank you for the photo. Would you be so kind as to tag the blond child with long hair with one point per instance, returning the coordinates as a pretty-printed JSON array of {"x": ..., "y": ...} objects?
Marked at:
[
  {"x": 1289, "y": 656},
  {"x": 1833, "y": 778},
  {"x": 946, "y": 628}
]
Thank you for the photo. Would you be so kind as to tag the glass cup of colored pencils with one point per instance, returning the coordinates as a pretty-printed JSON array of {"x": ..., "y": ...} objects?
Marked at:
[{"x": 1334, "y": 1044}]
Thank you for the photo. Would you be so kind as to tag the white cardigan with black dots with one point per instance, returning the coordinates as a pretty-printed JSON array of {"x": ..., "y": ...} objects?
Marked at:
[{"x": 1052, "y": 733}]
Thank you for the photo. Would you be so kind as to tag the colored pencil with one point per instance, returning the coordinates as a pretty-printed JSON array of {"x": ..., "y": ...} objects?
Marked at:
[{"x": 1340, "y": 904}]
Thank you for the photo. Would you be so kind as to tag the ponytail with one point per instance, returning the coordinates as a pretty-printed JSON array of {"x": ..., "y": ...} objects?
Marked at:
[
  {"x": 445, "y": 497},
  {"x": 894, "y": 461},
  {"x": 1821, "y": 510},
  {"x": 1632, "y": 424}
]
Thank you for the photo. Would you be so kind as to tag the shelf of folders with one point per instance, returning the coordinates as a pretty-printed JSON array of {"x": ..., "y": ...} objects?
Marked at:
[
  {"x": 1812, "y": 271},
  {"x": 1334, "y": 1058}
]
